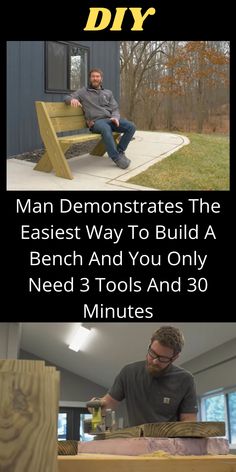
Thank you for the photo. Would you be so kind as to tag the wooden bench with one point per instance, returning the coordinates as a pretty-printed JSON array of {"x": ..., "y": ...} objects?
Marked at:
[{"x": 57, "y": 117}]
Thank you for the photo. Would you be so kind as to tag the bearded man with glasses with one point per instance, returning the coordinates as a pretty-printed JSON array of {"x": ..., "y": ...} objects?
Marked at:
[{"x": 155, "y": 390}]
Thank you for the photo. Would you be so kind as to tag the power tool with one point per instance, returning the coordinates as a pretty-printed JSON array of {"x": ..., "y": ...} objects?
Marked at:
[{"x": 97, "y": 423}]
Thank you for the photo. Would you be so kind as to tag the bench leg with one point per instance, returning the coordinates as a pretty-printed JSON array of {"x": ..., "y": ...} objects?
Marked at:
[
  {"x": 99, "y": 149},
  {"x": 44, "y": 164},
  {"x": 60, "y": 166},
  {"x": 63, "y": 170}
]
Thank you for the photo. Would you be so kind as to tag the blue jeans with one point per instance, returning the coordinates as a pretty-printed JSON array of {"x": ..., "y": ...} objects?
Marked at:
[{"x": 106, "y": 127}]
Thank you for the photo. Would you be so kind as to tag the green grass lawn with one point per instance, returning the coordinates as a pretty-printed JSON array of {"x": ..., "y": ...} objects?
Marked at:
[{"x": 201, "y": 165}]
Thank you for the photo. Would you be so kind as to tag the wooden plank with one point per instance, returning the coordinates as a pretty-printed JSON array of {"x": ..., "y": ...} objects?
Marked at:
[
  {"x": 50, "y": 368},
  {"x": 28, "y": 421},
  {"x": 61, "y": 109},
  {"x": 68, "y": 123},
  {"x": 178, "y": 429},
  {"x": 44, "y": 164},
  {"x": 56, "y": 395},
  {"x": 78, "y": 138},
  {"x": 182, "y": 429},
  {"x": 106, "y": 463},
  {"x": 67, "y": 447},
  {"x": 21, "y": 365},
  {"x": 49, "y": 137}
]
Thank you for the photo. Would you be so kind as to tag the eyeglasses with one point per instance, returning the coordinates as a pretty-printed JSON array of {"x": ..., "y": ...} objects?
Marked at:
[{"x": 162, "y": 359}]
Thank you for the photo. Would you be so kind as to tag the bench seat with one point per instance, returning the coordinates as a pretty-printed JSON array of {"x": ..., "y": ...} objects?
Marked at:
[{"x": 78, "y": 138}]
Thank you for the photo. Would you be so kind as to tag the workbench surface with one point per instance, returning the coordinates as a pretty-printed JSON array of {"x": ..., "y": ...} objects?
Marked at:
[{"x": 112, "y": 463}]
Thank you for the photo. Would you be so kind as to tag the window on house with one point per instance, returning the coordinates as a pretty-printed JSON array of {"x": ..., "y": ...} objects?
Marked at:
[
  {"x": 78, "y": 67},
  {"x": 56, "y": 66},
  {"x": 83, "y": 435},
  {"x": 232, "y": 416},
  {"x": 66, "y": 66},
  {"x": 71, "y": 424},
  {"x": 62, "y": 426},
  {"x": 221, "y": 407}
]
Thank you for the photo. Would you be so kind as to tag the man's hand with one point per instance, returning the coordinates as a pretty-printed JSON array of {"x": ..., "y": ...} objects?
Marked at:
[
  {"x": 106, "y": 402},
  {"x": 90, "y": 123},
  {"x": 93, "y": 400},
  {"x": 115, "y": 121},
  {"x": 188, "y": 417},
  {"x": 75, "y": 103}
]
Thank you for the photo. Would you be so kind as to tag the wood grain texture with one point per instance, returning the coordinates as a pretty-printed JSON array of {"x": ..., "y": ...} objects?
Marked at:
[
  {"x": 55, "y": 109},
  {"x": 53, "y": 148},
  {"x": 68, "y": 123},
  {"x": 78, "y": 138},
  {"x": 179, "y": 429},
  {"x": 21, "y": 365},
  {"x": 28, "y": 419},
  {"x": 107, "y": 463},
  {"x": 44, "y": 164},
  {"x": 68, "y": 447},
  {"x": 182, "y": 429}
]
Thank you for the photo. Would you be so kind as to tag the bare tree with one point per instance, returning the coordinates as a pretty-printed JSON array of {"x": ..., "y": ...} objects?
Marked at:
[
  {"x": 174, "y": 84},
  {"x": 137, "y": 58}
]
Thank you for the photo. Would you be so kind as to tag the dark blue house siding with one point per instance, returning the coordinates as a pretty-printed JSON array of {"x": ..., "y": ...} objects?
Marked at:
[{"x": 26, "y": 84}]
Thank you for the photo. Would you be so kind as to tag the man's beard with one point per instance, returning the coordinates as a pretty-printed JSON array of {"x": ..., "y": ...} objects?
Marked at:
[
  {"x": 96, "y": 84},
  {"x": 154, "y": 370}
]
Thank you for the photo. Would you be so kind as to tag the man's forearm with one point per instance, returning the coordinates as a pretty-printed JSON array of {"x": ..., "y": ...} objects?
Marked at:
[{"x": 68, "y": 98}]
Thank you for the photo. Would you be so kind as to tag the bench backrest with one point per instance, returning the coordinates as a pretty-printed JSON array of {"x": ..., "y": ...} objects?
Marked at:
[{"x": 63, "y": 117}]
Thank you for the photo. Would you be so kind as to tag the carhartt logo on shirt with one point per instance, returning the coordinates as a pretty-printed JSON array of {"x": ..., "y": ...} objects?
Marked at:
[{"x": 166, "y": 400}]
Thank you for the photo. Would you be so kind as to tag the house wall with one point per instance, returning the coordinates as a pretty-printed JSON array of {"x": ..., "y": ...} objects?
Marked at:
[
  {"x": 72, "y": 387},
  {"x": 215, "y": 369},
  {"x": 26, "y": 81}
]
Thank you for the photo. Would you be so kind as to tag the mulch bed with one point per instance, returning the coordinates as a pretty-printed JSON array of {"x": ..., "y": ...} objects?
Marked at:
[{"x": 75, "y": 150}]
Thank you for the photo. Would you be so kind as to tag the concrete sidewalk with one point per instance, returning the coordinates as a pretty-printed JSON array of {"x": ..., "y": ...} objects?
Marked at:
[{"x": 98, "y": 173}]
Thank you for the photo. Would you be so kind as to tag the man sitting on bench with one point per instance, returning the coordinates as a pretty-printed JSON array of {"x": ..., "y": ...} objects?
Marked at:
[{"x": 103, "y": 117}]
